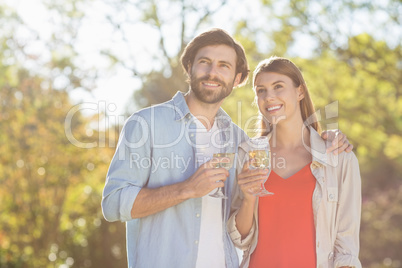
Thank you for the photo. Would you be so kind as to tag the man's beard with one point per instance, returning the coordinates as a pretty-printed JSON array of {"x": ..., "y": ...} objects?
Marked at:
[{"x": 210, "y": 96}]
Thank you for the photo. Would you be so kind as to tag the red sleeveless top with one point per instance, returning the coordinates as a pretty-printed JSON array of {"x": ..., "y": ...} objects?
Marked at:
[{"x": 286, "y": 235}]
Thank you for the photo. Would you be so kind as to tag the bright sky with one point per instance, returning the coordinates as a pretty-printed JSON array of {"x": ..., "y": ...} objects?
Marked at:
[{"x": 114, "y": 87}]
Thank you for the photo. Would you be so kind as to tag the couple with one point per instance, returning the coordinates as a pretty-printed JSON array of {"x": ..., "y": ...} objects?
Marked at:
[{"x": 164, "y": 195}]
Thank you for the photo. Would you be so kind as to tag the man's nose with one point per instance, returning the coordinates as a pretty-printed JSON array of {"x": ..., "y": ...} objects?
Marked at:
[{"x": 213, "y": 70}]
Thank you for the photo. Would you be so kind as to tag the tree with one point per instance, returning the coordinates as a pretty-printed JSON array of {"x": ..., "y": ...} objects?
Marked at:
[
  {"x": 173, "y": 23},
  {"x": 51, "y": 188}
]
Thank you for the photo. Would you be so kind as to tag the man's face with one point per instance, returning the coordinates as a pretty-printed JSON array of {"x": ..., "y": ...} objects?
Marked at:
[{"x": 213, "y": 73}]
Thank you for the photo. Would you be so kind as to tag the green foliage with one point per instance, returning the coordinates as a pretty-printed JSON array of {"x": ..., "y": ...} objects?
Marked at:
[
  {"x": 158, "y": 88},
  {"x": 369, "y": 98},
  {"x": 381, "y": 232},
  {"x": 51, "y": 189}
]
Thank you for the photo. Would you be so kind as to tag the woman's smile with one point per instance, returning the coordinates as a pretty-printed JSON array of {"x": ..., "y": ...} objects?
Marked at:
[{"x": 274, "y": 108}]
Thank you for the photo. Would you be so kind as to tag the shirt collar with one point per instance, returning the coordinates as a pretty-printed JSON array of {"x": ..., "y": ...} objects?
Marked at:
[
  {"x": 182, "y": 110},
  {"x": 180, "y": 105}
]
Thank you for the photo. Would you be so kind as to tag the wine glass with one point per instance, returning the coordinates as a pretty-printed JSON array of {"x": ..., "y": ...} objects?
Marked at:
[
  {"x": 260, "y": 154},
  {"x": 222, "y": 160}
]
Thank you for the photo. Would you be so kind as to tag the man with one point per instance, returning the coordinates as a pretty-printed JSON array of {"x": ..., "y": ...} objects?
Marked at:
[{"x": 160, "y": 176}]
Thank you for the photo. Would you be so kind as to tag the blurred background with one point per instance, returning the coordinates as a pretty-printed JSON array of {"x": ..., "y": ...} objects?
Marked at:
[{"x": 72, "y": 71}]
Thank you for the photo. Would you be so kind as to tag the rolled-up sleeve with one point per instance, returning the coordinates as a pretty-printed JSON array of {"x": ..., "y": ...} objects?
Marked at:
[
  {"x": 129, "y": 170},
  {"x": 237, "y": 201},
  {"x": 349, "y": 213},
  {"x": 240, "y": 243}
]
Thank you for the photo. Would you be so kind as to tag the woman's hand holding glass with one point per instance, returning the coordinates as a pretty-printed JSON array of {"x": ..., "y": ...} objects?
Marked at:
[
  {"x": 250, "y": 180},
  {"x": 260, "y": 158}
]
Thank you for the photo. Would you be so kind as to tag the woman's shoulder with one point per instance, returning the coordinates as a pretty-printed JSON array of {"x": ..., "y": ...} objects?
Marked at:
[{"x": 342, "y": 159}]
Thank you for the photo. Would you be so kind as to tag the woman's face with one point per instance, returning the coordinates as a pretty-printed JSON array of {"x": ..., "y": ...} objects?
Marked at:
[{"x": 277, "y": 97}]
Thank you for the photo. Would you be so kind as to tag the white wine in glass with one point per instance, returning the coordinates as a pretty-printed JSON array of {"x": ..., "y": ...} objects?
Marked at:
[
  {"x": 223, "y": 160},
  {"x": 260, "y": 156}
]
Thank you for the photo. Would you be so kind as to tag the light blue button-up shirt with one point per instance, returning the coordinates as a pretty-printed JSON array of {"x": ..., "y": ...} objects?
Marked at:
[{"x": 157, "y": 148}]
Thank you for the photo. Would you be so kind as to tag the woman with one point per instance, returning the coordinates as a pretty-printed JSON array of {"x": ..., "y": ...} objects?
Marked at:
[{"x": 313, "y": 217}]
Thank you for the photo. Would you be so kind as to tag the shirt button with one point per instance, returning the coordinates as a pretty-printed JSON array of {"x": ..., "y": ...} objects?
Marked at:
[
  {"x": 331, "y": 254},
  {"x": 191, "y": 135},
  {"x": 196, "y": 242},
  {"x": 318, "y": 244},
  {"x": 331, "y": 196},
  {"x": 197, "y": 215}
]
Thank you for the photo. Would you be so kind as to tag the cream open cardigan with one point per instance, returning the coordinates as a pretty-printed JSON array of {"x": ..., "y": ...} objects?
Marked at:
[{"x": 336, "y": 207}]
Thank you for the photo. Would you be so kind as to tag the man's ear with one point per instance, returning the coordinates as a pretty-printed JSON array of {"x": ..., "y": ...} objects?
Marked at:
[{"x": 237, "y": 80}]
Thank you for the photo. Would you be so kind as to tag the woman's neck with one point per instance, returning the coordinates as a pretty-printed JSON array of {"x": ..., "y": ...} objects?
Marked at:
[{"x": 290, "y": 134}]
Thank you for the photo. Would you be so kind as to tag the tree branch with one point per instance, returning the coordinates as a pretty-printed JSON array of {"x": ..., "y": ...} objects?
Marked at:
[{"x": 209, "y": 13}]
